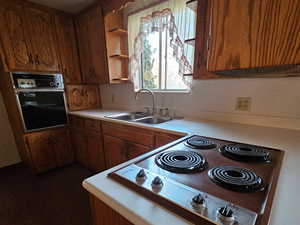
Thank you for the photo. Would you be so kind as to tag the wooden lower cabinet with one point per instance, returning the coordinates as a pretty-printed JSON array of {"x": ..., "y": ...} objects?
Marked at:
[
  {"x": 118, "y": 151},
  {"x": 87, "y": 143},
  {"x": 162, "y": 139},
  {"x": 49, "y": 149},
  {"x": 104, "y": 215}
]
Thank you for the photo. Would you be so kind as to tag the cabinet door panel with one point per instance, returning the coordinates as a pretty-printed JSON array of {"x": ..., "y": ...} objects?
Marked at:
[
  {"x": 162, "y": 139},
  {"x": 254, "y": 33},
  {"x": 96, "y": 159},
  {"x": 67, "y": 47},
  {"x": 62, "y": 146},
  {"x": 15, "y": 43},
  {"x": 114, "y": 149},
  {"x": 75, "y": 97},
  {"x": 92, "y": 99},
  {"x": 41, "y": 26},
  {"x": 80, "y": 146},
  {"x": 41, "y": 151},
  {"x": 135, "y": 150},
  {"x": 97, "y": 47}
]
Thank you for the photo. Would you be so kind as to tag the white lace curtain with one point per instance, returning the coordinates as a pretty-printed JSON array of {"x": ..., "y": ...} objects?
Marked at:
[{"x": 170, "y": 16}]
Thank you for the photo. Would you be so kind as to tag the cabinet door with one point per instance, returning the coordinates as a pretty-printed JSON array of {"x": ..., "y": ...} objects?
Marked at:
[
  {"x": 92, "y": 98},
  {"x": 96, "y": 35},
  {"x": 67, "y": 47},
  {"x": 134, "y": 150},
  {"x": 41, "y": 26},
  {"x": 79, "y": 144},
  {"x": 75, "y": 97},
  {"x": 16, "y": 52},
  {"x": 115, "y": 151},
  {"x": 96, "y": 160},
  {"x": 61, "y": 144},
  {"x": 254, "y": 33},
  {"x": 162, "y": 139},
  {"x": 40, "y": 149},
  {"x": 83, "y": 45}
]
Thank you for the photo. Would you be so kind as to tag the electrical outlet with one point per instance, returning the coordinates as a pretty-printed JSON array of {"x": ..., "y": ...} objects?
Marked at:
[
  {"x": 112, "y": 98},
  {"x": 243, "y": 104}
]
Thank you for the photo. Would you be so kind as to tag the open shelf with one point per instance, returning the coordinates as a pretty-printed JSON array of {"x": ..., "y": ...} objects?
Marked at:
[
  {"x": 192, "y": 4},
  {"x": 120, "y": 80},
  {"x": 119, "y": 56},
  {"x": 118, "y": 31},
  {"x": 190, "y": 41}
]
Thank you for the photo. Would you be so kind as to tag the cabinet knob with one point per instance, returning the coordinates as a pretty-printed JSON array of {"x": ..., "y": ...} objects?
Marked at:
[
  {"x": 30, "y": 58},
  {"x": 37, "y": 61}
]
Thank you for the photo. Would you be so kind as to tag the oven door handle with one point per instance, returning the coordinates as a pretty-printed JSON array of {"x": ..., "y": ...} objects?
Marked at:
[{"x": 23, "y": 90}]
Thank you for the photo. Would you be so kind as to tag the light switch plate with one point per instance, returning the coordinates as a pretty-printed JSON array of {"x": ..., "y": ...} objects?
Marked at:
[{"x": 243, "y": 104}]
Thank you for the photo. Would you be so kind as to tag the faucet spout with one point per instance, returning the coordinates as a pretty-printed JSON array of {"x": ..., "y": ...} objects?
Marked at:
[{"x": 149, "y": 92}]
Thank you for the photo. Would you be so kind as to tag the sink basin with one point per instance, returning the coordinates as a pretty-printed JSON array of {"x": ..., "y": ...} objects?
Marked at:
[
  {"x": 153, "y": 120},
  {"x": 128, "y": 116}
]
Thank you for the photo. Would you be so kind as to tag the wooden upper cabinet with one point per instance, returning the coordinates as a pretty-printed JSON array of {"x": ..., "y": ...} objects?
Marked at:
[
  {"x": 253, "y": 33},
  {"x": 92, "y": 50},
  {"x": 43, "y": 40},
  {"x": 15, "y": 42},
  {"x": 92, "y": 98},
  {"x": 67, "y": 47}
]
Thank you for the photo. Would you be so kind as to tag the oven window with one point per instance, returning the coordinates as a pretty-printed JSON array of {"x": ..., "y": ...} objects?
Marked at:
[{"x": 42, "y": 109}]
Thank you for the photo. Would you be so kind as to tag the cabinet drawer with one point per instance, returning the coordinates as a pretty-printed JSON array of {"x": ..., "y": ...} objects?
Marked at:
[
  {"x": 93, "y": 125},
  {"x": 133, "y": 134}
]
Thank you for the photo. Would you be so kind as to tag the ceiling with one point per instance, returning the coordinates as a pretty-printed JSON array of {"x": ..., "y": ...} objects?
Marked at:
[{"x": 71, "y": 6}]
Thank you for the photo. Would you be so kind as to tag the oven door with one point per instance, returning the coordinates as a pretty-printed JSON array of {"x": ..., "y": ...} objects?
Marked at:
[{"x": 42, "y": 109}]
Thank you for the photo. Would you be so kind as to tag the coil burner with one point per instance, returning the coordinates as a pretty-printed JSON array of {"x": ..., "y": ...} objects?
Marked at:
[
  {"x": 236, "y": 178},
  {"x": 243, "y": 152},
  {"x": 198, "y": 142},
  {"x": 181, "y": 161}
]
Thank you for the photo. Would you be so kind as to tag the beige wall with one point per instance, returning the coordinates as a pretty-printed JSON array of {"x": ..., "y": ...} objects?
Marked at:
[
  {"x": 8, "y": 149},
  {"x": 275, "y": 101}
]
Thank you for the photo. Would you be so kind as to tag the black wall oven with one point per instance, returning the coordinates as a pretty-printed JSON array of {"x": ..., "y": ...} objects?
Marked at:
[{"x": 41, "y": 100}]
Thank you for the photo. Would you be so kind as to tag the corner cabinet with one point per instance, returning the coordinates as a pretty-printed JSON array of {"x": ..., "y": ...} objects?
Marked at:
[
  {"x": 234, "y": 34},
  {"x": 27, "y": 37},
  {"x": 91, "y": 42}
]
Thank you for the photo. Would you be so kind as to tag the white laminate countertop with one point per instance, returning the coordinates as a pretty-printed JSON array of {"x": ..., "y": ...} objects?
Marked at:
[{"x": 142, "y": 211}]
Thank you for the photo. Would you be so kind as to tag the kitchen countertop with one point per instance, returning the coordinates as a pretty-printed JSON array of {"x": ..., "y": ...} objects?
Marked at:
[{"x": 140, "y": 210}]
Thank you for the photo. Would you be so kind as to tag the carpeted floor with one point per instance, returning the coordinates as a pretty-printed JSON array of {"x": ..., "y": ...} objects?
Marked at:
[{"x": 53, "y": 198}]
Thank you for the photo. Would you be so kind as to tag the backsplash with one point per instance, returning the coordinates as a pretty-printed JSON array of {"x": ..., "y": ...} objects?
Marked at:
[{"x": 275, "y": 102}]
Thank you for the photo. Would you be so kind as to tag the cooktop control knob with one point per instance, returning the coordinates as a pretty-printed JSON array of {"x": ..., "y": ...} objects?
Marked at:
[
  {"x": 198, "y": 203},
  {"x": 141, "y": 176},
  {"x": 225, "y": 215},
  {"x": 157, "y": 184}
]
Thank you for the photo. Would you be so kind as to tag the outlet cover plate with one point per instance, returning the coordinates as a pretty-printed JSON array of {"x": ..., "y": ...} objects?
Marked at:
[{"x": 243, "y": 104}]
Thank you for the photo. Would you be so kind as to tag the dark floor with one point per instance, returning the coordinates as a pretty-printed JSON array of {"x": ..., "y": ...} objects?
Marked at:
[{"x": 54, "y": 198}]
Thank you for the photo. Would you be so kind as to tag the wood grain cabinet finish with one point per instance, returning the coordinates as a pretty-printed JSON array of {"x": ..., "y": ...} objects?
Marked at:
[
  {"x": 92, "y": 50},
  {"x": 43, "y": 39},
  {"x": 253, "y": 33},
  {"x": 67, "y": 46},
  {"x": 28, "y": 39},
  {"x": 49, "y": 149},
  {"x": 162, "y": 139},
  {"x": 118, "y": 151},
  {"x": 87, "y": 142},
  {"x": 104, "y": 215},
  {"x": 81, "y": 97},
  {"x": 16, "y": 51}
]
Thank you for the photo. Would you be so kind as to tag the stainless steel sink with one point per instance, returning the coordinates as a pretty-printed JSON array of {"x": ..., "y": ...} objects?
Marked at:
[
  {"x": 153, "y": 120},
  {"x": 139, "y": 117},
  {"x": 128, "y": 116}
]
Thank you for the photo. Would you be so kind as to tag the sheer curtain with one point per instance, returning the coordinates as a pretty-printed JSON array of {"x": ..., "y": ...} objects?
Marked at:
[{"x": 171, "y": 16}]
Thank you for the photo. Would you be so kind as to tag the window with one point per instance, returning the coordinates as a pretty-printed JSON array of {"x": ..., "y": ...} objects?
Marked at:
[{"x": 161, "y": 46}]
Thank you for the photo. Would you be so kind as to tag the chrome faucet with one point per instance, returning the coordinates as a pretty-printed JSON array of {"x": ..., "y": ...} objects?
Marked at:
[{"x": 151, "y": 93}]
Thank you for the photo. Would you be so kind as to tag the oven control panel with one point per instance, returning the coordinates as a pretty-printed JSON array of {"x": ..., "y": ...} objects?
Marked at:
[
  {"x": 26, "y": 83},
  {"x": 194, "y": 202}
]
